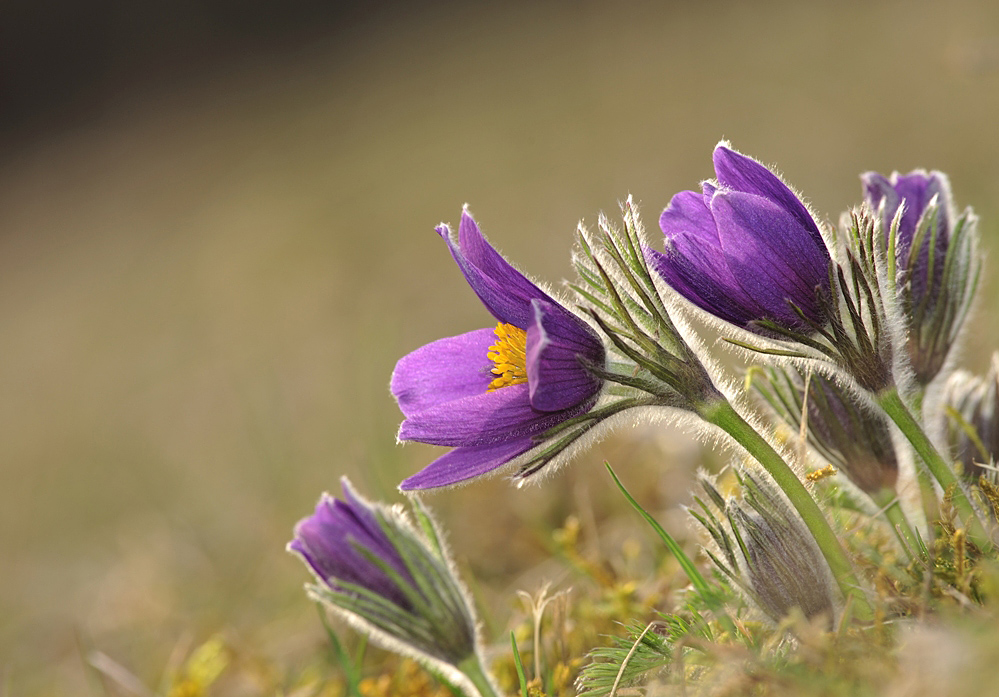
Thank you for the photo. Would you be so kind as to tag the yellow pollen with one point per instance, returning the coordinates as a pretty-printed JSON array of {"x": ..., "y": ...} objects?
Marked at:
[
  {"x": 509, "y": 356},
  {"x": 816, "y": 475}
]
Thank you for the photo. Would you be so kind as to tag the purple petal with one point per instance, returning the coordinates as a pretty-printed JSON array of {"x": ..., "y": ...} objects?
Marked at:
[
  {"x": 741, "y": 173},
  {"x": 329, "y": 540},
  {"x": 773, "y": 257},
  {"x": 464, "y": 463},
  {"x": 877, "y": 188},
  {"x": 698, "y": 272},
  {"x": 505, "y": 292},
  {"x": 502, "y": 415},
  {"x": 443, "y": 371},
  {"x": 917, "y": 189},
  {"x": 556, "y": 340},
  {"x": 913, "y": 191},
  {"x": 688, "y": 213}
]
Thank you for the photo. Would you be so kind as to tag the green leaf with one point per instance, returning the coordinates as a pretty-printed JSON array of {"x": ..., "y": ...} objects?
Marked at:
[{"x": 520, "y": 666}]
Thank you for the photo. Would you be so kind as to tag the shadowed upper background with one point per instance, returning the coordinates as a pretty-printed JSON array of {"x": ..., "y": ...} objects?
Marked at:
[{"x": 216, "y": 238}]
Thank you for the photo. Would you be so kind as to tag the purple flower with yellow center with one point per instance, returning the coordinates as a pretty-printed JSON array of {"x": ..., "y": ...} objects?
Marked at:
[
  {"x": 491, "y": 394},
  {"x": 745, "y": 248}
]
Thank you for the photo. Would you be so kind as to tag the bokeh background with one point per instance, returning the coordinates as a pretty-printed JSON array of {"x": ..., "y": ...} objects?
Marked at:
[{"x": 216, "y": 238}]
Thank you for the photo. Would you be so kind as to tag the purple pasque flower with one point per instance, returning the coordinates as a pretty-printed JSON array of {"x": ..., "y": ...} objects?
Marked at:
[
  {"x": 331, "y": 539},
  {"x": 745, "y": 248},
  {"x": 913, "y": 192},
  {"x": 388, "y": 580},
  {"x": 492, "y": 393}
]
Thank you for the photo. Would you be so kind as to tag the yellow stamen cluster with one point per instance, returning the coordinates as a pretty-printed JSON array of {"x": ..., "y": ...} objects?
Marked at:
[
  {"x": 509, "y": 356},
  {"x": 816, "y": 475}
]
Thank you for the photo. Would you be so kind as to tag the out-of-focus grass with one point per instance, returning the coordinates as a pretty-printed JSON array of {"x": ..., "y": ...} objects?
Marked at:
[{"x": 204, "y": 287}]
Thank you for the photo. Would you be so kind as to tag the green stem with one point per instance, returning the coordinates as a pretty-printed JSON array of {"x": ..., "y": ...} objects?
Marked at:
[
  {"x": 723, "y": 415},
  {"x": 888, "y": 501},
  {"x": 893, "y": 405},
  {"x": 472, "y": 669}
]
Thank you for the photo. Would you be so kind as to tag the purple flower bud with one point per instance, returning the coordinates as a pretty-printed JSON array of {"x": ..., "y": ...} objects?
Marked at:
[
  {"x": 913, "y": 193},
  {"x": 492, "y": 393},
  {"x": 936, "y": 261},
  {"x": 766, "y": 549},
  {"x": 386, "y": 579},
  {"x": 331, "y": 540},
  {"x": 841, "y": 427},
  {"x": 745, "y": 248}
]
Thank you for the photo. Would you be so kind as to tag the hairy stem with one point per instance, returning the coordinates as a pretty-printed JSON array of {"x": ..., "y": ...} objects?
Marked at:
[
  {"x": 888, "y": 501},
  {"x": 893, "y": 405}
]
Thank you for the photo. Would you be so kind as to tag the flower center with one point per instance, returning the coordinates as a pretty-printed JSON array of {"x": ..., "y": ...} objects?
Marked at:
[{"x": 509, "y": 356}]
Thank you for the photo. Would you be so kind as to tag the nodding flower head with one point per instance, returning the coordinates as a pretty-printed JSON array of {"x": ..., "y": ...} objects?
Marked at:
[
  {"x": 492, "y": 393},
  {"x": 842, "y": 428},
  {"x": 745, "y": 248}
]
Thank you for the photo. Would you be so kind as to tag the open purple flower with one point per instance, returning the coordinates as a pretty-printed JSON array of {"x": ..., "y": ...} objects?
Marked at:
[
  {"x": 492, "y": 393},
  {"x": 331, "y": 539},
  {"x": 914, "y": 192},
  {"x": 745, "y": 248}
]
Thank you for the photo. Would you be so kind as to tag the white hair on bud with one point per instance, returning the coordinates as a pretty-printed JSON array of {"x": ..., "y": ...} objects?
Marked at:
[{"x": 395, "y": 645}]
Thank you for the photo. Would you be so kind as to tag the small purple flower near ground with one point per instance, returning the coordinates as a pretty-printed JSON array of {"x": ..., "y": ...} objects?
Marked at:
[
  {"x": 330, "y": 541},
  {"x": 745, "y": 248},
  {"x": 376, "y": 571},
  {"x": 492, "y": 393}
]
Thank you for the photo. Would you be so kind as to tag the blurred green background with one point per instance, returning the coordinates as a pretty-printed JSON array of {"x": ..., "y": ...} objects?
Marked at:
[{"x": 209, "y": 265}]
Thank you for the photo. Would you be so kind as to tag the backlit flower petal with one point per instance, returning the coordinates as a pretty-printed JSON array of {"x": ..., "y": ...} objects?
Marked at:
[
  {"x": 443, "y": 371},
  {"x": 505, "y": 292},
  {"x": 699, "y": 273},
  {"x": 465, "y": 463},
  {"x": 491, "y": 417},
  {"x": 741, "y": 173},
  {"x": 772, "y": 256},
  {"x": 688, "y": 213}
]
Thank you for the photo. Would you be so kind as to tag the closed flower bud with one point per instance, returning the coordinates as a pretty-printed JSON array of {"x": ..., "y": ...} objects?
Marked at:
[
  {"x": 397, "y": 585},
  {"x": 767, "y": 550},
  {"x": 843, "y": 429},
  {"x": 936, "y": 260},
  {"x": 973, "y": 403}
]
